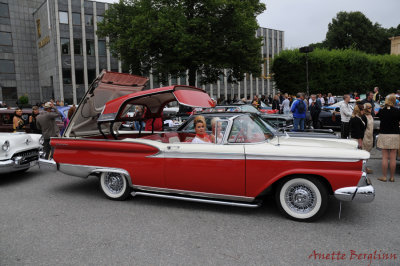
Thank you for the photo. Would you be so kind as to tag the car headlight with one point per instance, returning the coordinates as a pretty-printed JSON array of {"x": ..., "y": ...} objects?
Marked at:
[
  {"x": 5, "y": 146},
  {"x": 41, "y": 140}
]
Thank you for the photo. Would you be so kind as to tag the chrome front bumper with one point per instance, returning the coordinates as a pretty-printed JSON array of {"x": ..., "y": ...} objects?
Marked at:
[
  {"x": 363, "y": 192},
  {"x": 14, "y": 164}
]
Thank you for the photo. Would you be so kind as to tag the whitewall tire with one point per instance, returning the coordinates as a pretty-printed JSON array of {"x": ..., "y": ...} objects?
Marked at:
[
  {"x": 302, "y": 198},
  {"x": 114, "y": 185}
]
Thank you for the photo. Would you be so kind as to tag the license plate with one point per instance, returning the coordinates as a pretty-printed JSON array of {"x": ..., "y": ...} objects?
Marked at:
[{"x": 33, "y": 163}]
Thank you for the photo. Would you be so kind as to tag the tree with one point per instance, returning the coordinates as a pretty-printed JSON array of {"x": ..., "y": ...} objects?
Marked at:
[
  {"x": 173, "y": 36},
  {"x": 336, "y": 71},
  {"x": 354, "y": 30}
]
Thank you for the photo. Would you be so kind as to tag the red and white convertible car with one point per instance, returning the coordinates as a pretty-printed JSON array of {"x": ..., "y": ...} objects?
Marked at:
[{"x": 239, "y": 169}]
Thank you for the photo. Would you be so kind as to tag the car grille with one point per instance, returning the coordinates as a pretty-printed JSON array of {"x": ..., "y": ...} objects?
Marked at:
[{"x": 27, "y": 156}]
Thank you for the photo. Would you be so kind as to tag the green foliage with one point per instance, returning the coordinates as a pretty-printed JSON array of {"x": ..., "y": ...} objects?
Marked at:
[
  {"x": 172, "y": 36},
  {"x": 336, "y": 71},
  {"x": 23, "y": 99},
  {"x": 353, "y": 30}
]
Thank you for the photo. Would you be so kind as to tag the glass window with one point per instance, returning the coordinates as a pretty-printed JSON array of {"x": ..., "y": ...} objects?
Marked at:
[
  {"x": 66, "y": 73},
  {"x": 100, "y": 18},
  {"x": 4, "y": 10},
  {"x": 88, "y": 20},
  {"x": 77, "y": 46},
  {"x": 91, "y": 75},
  {"x": 90, "y": 47},
  {"x": 79, "y": 76},
  {"x": 249, "y": 129},
  {"x": 64, "y": 45},
  {"x": 5, "y": 38},
  {"x": 76, "y": 19},
  {"x": 9, "y": 96},
  {"x": 102, "y": 48},
  {"x": 7, "y": 66},
  {"x": 63, "y": 17}
]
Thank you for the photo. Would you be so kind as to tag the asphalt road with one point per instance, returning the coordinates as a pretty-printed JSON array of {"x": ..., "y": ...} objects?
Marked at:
[{"x": 54, "y": 219}]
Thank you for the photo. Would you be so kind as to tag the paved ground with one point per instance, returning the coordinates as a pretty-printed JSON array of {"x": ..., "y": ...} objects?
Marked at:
[{"x": 54, "y": 219}]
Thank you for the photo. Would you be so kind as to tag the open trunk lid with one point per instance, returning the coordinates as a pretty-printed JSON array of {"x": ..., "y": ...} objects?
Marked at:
[{"x": 106, "y": 87}]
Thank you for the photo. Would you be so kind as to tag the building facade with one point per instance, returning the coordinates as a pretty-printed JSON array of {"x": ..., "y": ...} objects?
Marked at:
[
  {"x": 395, "y": 45},
  {"x": 49, "y": 50},
  {"x": 19, "y": 73}
]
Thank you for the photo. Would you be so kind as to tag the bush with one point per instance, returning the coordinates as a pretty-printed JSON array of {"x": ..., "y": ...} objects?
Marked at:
[
  {"x": 23, "y": 100},
  {"x": 336, "y": 71}
]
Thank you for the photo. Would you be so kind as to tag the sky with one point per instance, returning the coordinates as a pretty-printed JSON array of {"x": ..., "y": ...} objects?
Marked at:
[{"x": 306, "y": 21}]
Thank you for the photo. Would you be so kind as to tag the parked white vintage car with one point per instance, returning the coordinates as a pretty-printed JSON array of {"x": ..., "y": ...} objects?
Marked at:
[{"x": 19, "y": 151}]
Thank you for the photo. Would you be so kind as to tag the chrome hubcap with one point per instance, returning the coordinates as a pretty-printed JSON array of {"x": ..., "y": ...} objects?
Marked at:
[
  {"x": 300, "y": 198},
  {"x": 114, "y": 182}
]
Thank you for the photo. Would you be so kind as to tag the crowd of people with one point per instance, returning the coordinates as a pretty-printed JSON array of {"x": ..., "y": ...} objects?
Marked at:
[{"x": 44, "y": 122}]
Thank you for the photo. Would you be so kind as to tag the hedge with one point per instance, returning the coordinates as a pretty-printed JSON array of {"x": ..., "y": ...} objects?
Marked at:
[{"x": 336, "y": 71}]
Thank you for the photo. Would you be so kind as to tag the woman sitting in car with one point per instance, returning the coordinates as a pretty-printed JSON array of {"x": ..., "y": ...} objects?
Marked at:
[{"x": 200, "y": 129}]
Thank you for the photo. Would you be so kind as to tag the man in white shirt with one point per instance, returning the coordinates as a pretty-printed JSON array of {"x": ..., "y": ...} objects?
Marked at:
[
  {"x": 321, "y": 99},
  {"x": 346, "y": 110}
]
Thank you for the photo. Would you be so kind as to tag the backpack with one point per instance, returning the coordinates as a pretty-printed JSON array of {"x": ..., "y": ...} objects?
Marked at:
[{"x": 301, "y": 107}]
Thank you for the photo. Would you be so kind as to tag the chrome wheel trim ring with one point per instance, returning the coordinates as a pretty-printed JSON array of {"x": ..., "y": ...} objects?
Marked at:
[{"x": 292, "y": 212}]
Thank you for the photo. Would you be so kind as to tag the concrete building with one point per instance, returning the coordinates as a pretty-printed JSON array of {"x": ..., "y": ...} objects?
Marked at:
[
  {"x": 49, "y": 49},
  {"x": 395, "y": 45},
  {"x": 19, "y": 73}
]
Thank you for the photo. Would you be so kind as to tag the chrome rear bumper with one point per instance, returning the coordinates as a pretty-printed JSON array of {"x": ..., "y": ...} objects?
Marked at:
[
  {"x": 49, "y": 165},
  {"x": 364, "y": 192}
]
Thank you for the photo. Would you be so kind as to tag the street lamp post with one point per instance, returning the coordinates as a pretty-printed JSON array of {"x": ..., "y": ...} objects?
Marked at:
[{"x": 306, "y": 50}]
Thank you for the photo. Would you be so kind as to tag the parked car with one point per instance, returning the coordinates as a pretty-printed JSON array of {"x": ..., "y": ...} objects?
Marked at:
[
  {"x": 19, "y": 151},
  {"x": 249, "y": 162},
  {"x": 330, "y": 115},
  {"x": 278, "y": 120}
]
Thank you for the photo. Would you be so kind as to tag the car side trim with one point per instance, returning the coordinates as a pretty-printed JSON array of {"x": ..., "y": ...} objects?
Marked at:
[
  {"x": 292, "y": 158},
  {"x": 198, "y": 155},
  {"x": 194, "y": 193}
]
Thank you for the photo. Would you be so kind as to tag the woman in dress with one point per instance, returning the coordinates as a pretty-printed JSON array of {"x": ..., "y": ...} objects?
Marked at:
[
  {"x": 200, "y": 128},
  {"x": 358, "y": 124},
  {"x": 368, "y": 139},
  {"x": 388, "y": 139},
  {"x": 18, "y": 122}
]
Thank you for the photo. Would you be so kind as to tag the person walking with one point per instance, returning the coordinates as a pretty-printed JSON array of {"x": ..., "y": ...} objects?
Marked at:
[
  {"x": 345, "y": 114},
  {"x": 299, "y": 109},
  {"x": 388, "y": 139},
  {"x": 286, "y": 105},
  {"x": 46, "y": 122},
  {"x": 315, "y": 110},
  {"x": 358, "y": 124},
  {"x": 368, "y": 140}
]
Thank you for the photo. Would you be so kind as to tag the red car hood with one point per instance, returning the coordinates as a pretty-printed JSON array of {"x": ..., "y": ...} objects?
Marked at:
[{"x": 106, "y": 87}]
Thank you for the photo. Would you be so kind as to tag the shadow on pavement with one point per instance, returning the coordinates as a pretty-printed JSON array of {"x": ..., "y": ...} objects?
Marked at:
[{"x": 16, "y": 178}]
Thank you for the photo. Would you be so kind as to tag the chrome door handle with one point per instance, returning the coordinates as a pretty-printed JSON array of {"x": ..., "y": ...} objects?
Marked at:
[{"x": 172, "y": 147}]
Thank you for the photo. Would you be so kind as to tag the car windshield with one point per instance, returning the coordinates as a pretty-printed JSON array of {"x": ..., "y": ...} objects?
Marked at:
[
  {"x": 249, "y": 109},
  {"x": 250, "y": 129}
]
